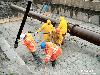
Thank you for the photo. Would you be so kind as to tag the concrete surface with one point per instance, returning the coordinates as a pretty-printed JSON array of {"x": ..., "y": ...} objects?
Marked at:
[
  {"x": 78, "y": 57},
  {"x": 16, "y": 64}
]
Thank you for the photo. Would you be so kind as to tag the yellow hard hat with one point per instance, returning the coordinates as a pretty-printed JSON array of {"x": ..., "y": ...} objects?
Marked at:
[
  {"x": 28, "y": 35},
  {"x": 62, "y": 18},
  {"x": 48, "y": 21},
  {"x": 22, "y": 36}
]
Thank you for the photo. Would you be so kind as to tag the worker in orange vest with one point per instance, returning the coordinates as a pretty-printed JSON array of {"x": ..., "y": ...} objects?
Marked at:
[
  {"x": 57, "y": 37},
  {"x": 52, "y": 52},
  {"x": 30, "y": 43}
]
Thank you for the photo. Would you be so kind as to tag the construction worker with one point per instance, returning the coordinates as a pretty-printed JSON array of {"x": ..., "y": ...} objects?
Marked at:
[
  {"x": 45, "y": 7},
  {"x": 46, "y": 28},
  {"x": 63, "y": 27},
  {"x": 52, "y": 52},
  {"x": 30, "y": 43},
  {"x": 57, "y": 36}
]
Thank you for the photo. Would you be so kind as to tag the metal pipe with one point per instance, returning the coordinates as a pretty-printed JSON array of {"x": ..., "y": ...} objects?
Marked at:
[
  {"x": 33, "y": 14},
  {"x": 85, "y": 34},
  {"x": 74, "y": 29}
]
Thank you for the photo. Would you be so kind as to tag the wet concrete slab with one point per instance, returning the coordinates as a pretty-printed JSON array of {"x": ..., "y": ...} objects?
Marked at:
[
  {"x": 78, "y": 57},
  {"x": 16, "y": 63}
]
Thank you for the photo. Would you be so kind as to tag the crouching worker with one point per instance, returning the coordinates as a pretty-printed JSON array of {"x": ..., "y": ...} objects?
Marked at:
[
  {"x": 57, "y": 36},
  {"x": 52, "y": 52},
  {"x": 30, "y": 43},
  {"x": 46, "y": 28}
]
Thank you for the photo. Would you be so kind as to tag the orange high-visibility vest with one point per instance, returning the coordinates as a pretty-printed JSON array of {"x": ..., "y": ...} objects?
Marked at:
[
  {"x": 30, "y": 44},
  {"x": 52, "y": 51}
]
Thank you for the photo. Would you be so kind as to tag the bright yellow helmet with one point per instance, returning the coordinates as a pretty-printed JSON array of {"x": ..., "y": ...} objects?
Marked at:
[
  {"x": 62, "y": 18},
  {"x": 28, "y": 35},
  {"x": 48, "y": 21}
]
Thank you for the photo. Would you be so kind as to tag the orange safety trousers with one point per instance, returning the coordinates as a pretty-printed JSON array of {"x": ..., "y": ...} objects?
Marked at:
[{"x": 56, "y": 54}]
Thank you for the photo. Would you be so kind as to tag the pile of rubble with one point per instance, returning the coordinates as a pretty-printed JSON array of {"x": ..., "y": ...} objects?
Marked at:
[{"x": 6, "y": 11}]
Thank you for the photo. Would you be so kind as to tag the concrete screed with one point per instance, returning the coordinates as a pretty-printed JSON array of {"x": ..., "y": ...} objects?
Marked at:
[{"x": 77, "y": 58}]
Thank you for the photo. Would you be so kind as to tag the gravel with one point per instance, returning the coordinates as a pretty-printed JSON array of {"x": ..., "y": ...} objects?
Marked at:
[{"x": 78, "y": 58}]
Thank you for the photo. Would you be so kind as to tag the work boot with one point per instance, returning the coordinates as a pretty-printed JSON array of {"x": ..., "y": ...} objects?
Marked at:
[
  {"x": 63, "y": 39},
  {"x": 37, "y": 58},
  {"x": 62, "y": 42},
  {"x": 53, "y": 63},
  {"x": 98, "y": 57}
]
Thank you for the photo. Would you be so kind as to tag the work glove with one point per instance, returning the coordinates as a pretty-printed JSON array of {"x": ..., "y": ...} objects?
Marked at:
[
  {"x": 36, "y": 32},
  {"x": 29, "y": 32},
  {"x": 18, "y": 40},
  {"x": 68, "y": 30},
  {"x": 46, "y": 60}
]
